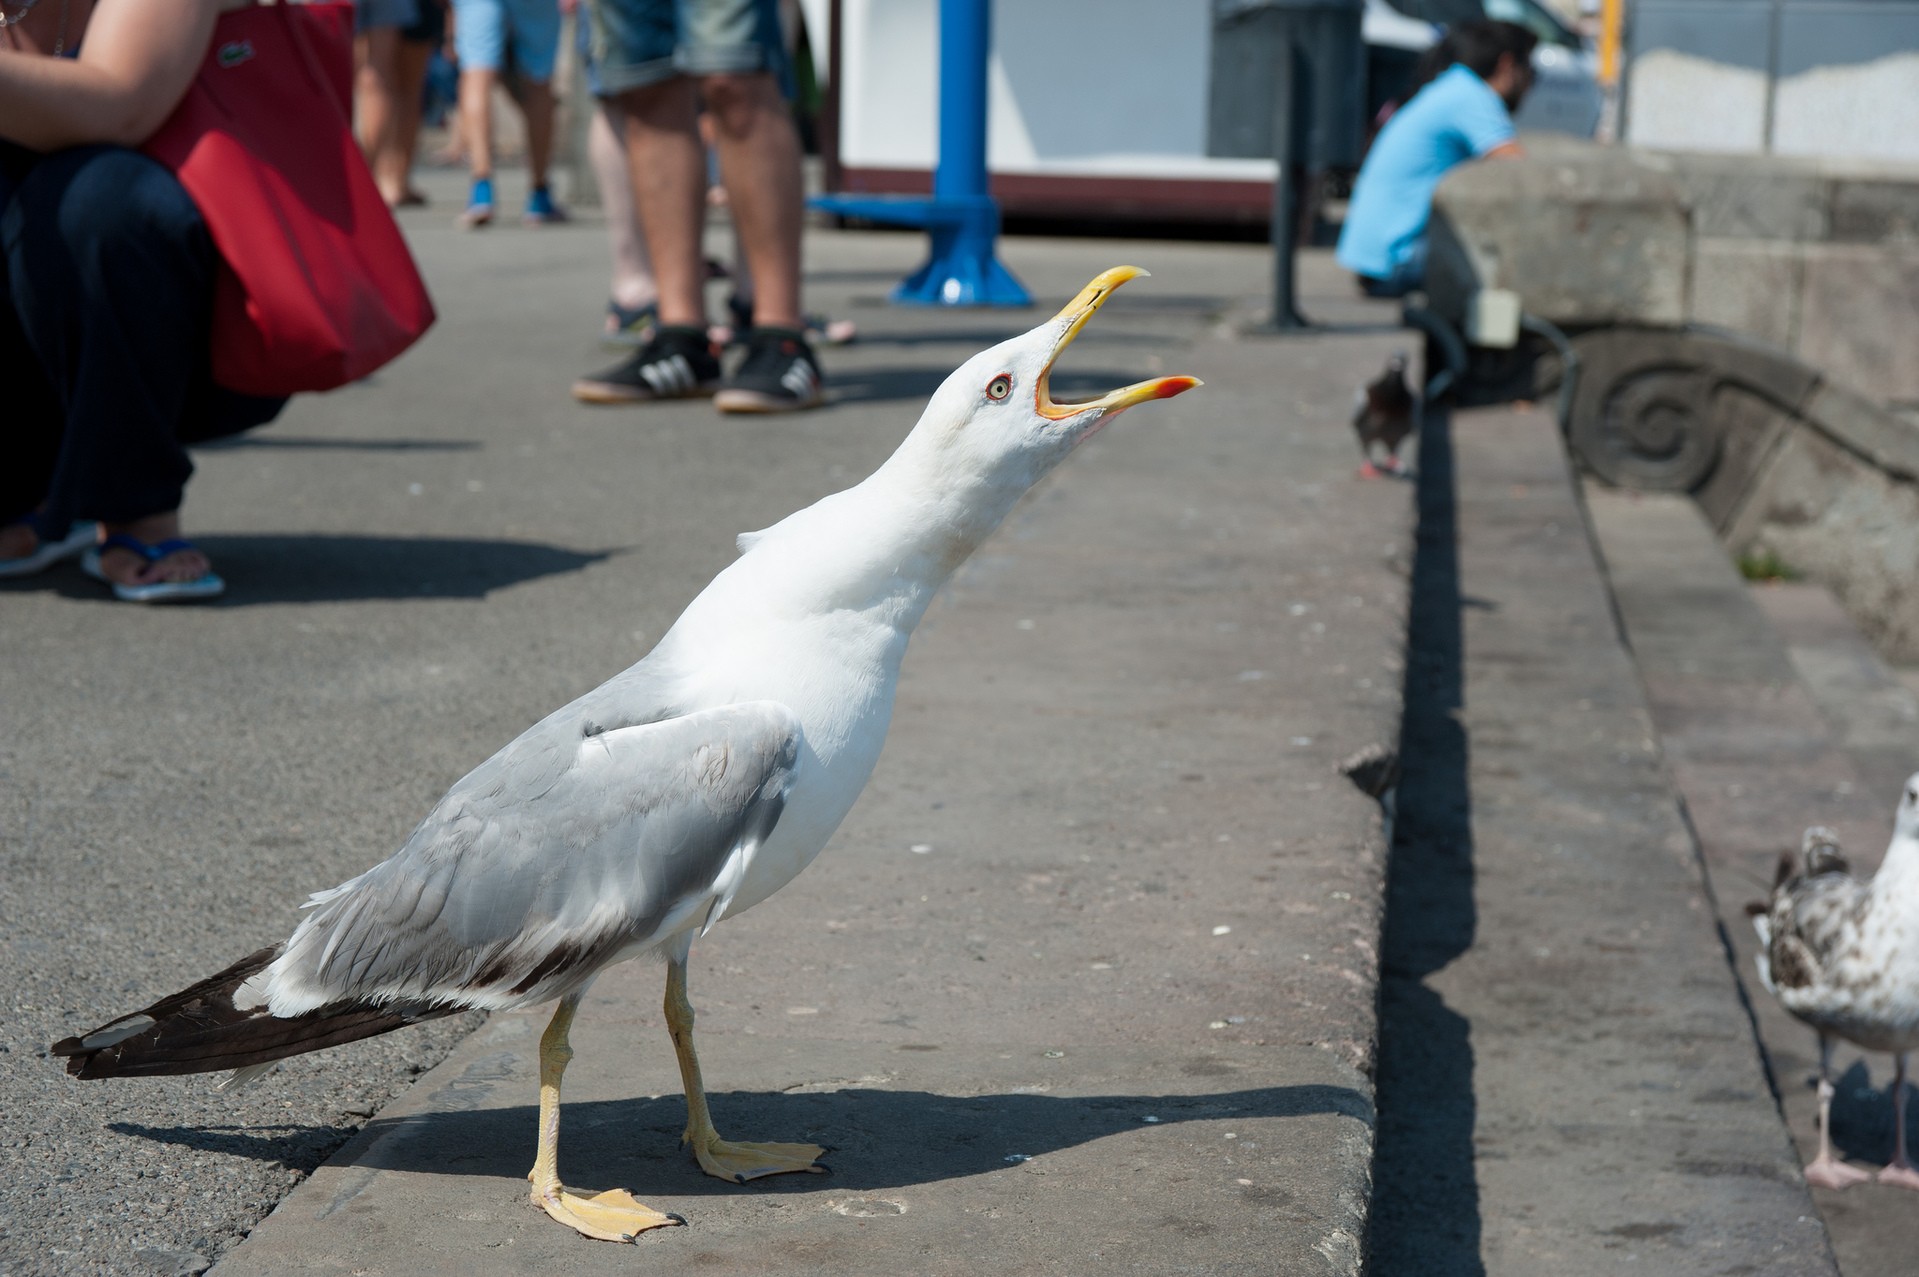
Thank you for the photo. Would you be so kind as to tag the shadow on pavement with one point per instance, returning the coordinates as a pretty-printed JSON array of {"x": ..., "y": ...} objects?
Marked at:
[
  {"x": 298, "y": 1148},
  {"x": 256, "y": 440},
  {"x": 876, "y": 1139},
  {"x": 325, "y": 568},
  {"x": 1425, "y": 1220},
  {"x": 852, "y": 276},
  {"x": 1862, "y": 1114}
]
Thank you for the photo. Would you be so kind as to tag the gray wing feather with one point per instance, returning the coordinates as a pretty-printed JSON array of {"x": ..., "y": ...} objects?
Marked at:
[{"x": 583, "y": 839}]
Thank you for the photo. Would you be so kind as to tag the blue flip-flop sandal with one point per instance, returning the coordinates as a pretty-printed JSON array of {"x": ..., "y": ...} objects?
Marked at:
[
  {"x": 49, "y": 551},
  {"x": 206, "y": 586}
]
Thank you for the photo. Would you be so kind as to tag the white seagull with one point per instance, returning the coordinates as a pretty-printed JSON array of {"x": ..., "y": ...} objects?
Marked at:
[
  {"x": 681, "y": 792},
  {"x": 1843, "y": 956}
]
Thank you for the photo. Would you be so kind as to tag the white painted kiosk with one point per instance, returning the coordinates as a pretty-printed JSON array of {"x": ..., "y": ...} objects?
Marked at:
[{"x": 1097, "y": 108}]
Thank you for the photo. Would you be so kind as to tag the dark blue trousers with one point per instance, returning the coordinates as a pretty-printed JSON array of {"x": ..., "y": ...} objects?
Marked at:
[{"x": 106, "y": 287}]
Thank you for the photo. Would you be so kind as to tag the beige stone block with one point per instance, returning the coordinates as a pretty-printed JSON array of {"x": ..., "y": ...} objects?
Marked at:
[
  {"x": 1859, "y": 313},
  {"x": 1750, "y": 286},
  {"x": 1876, "y": 210},
  {"x": 1847, "y": 525},
  {"x": 1585, "y": 237},
  {"x": 1755, "y": 197}
]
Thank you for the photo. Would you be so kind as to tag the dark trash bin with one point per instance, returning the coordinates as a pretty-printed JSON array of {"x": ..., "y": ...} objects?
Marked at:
[{"x": 1288, "y": 81}]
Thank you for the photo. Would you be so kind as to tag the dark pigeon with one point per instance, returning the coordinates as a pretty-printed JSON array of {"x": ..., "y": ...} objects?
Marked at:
[{"x": 1383, "y": 414}]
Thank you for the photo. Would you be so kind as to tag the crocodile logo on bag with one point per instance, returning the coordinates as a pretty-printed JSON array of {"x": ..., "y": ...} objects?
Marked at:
[{"x": 233, "y": 54}]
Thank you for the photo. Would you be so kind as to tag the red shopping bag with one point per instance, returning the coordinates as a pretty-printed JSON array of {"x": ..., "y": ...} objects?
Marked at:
[{"x": 316, "y": 287}]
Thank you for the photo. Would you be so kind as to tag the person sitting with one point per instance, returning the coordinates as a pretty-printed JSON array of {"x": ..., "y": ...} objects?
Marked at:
[
  {"x": 106, "y": 286},
  {"x": 1465, "y": 113}
]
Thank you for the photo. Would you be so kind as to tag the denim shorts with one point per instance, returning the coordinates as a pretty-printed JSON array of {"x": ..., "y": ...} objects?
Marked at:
[
  {"x": 481, "y": 29},
  {"x": 637, "y": 43},
  {"x": 369, "y": 14}
]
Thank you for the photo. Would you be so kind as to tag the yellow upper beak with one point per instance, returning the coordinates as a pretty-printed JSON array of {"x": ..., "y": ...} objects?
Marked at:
[{"x": 1077, "y": 312}]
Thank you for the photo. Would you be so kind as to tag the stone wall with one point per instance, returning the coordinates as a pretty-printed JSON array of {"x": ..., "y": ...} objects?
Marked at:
[
  {"x": 1747, "y": 330},
  {"x": 1819, "y": 258}
]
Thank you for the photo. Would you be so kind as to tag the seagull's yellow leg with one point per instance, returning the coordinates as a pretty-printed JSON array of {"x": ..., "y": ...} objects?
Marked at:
[
  {"x": 723, "y": 1158},
  {"x": 612, "y": 1216}
]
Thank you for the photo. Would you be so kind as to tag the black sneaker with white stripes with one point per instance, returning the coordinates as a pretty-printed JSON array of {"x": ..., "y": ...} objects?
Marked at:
[
  {"x": 778, "y": 374},
  {"x": 678, "y": 363}
]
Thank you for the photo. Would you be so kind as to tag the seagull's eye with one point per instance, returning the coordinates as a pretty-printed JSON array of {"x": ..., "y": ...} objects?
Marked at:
[{"x": 999, "y": 387}]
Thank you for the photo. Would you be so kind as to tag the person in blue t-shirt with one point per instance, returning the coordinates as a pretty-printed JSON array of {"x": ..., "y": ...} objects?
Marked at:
[{"x": 1465, "y": 113}]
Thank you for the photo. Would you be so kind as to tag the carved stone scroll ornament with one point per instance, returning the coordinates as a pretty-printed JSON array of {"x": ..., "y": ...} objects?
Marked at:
[{"x": 1652, "y": 430}]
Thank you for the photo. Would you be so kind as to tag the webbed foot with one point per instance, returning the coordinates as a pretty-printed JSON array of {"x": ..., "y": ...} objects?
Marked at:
[
  {"x": 738, "y": 1162},
  {"x": 612, "y": 1216}
]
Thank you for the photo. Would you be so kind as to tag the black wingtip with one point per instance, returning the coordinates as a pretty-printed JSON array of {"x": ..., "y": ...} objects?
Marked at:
[{"x": 200, "y": 1030}]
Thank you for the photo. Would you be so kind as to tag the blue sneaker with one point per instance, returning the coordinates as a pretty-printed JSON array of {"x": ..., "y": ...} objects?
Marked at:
[
  {"x": 479, "y": 205},
  {"x": 541, "y": 210}
]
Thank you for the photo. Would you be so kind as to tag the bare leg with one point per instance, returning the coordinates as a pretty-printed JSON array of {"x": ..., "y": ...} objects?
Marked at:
[
  {"x": 394, "y": 170},
  {"x": 536, "y": 104},
  {"x": 476, "y": 120},
  {"x": 721, "y": 1158},
  {"x": 612, "y": 1216},
  {"x": 1825, "y": 1170},
  {"x": 376, "y": 72},
  {"x": 760, "y": 165},
  {"x": 476, "y": 127},
  {"x": 632, "y": 283},
  {"x": 1900, "y": 1170},
  {"x": 668, "y": 170}
]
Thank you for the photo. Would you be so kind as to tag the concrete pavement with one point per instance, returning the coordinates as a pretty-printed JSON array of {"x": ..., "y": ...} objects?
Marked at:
[
  {"x": 1568, "y": 1081},
  {"x": 1773, "y": 715},
  {"x": 1146, "y": 894}
]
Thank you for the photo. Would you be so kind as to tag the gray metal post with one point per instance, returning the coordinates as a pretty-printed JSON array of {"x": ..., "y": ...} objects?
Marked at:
[{"x": 1290, "y": 114}]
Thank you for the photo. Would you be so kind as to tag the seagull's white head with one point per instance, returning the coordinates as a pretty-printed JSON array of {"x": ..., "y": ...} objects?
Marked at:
[
  {"x": 1905, "y": 821},
  {"x": 990, "y": 432},
  {"x": 995, "y": 418}
]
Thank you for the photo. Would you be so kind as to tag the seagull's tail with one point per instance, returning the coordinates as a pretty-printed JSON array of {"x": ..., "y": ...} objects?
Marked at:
[{"x": 200, "y": 1030}]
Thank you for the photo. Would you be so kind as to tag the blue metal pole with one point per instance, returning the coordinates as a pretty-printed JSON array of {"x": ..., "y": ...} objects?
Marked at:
[
  {"x": 966, "y": 42},
  {"x": 961, "y": 218}
]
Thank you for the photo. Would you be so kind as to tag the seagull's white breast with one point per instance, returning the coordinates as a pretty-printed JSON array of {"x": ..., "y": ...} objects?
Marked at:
[{"x": 836, "y": 671}]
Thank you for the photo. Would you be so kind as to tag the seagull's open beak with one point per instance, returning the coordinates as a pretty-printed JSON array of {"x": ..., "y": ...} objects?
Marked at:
[{"x": 1076, "y": 313}]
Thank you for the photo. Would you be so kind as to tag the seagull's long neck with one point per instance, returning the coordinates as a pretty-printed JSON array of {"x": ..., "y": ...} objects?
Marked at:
[
  {"x": 921, "y": 522},
  {"x": 884, "y": 547}
]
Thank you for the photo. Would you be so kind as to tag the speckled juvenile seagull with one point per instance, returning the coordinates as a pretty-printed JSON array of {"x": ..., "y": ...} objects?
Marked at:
[
  {"x": 686, "y": 789},
  {"x": 1843, "y": 956}
]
